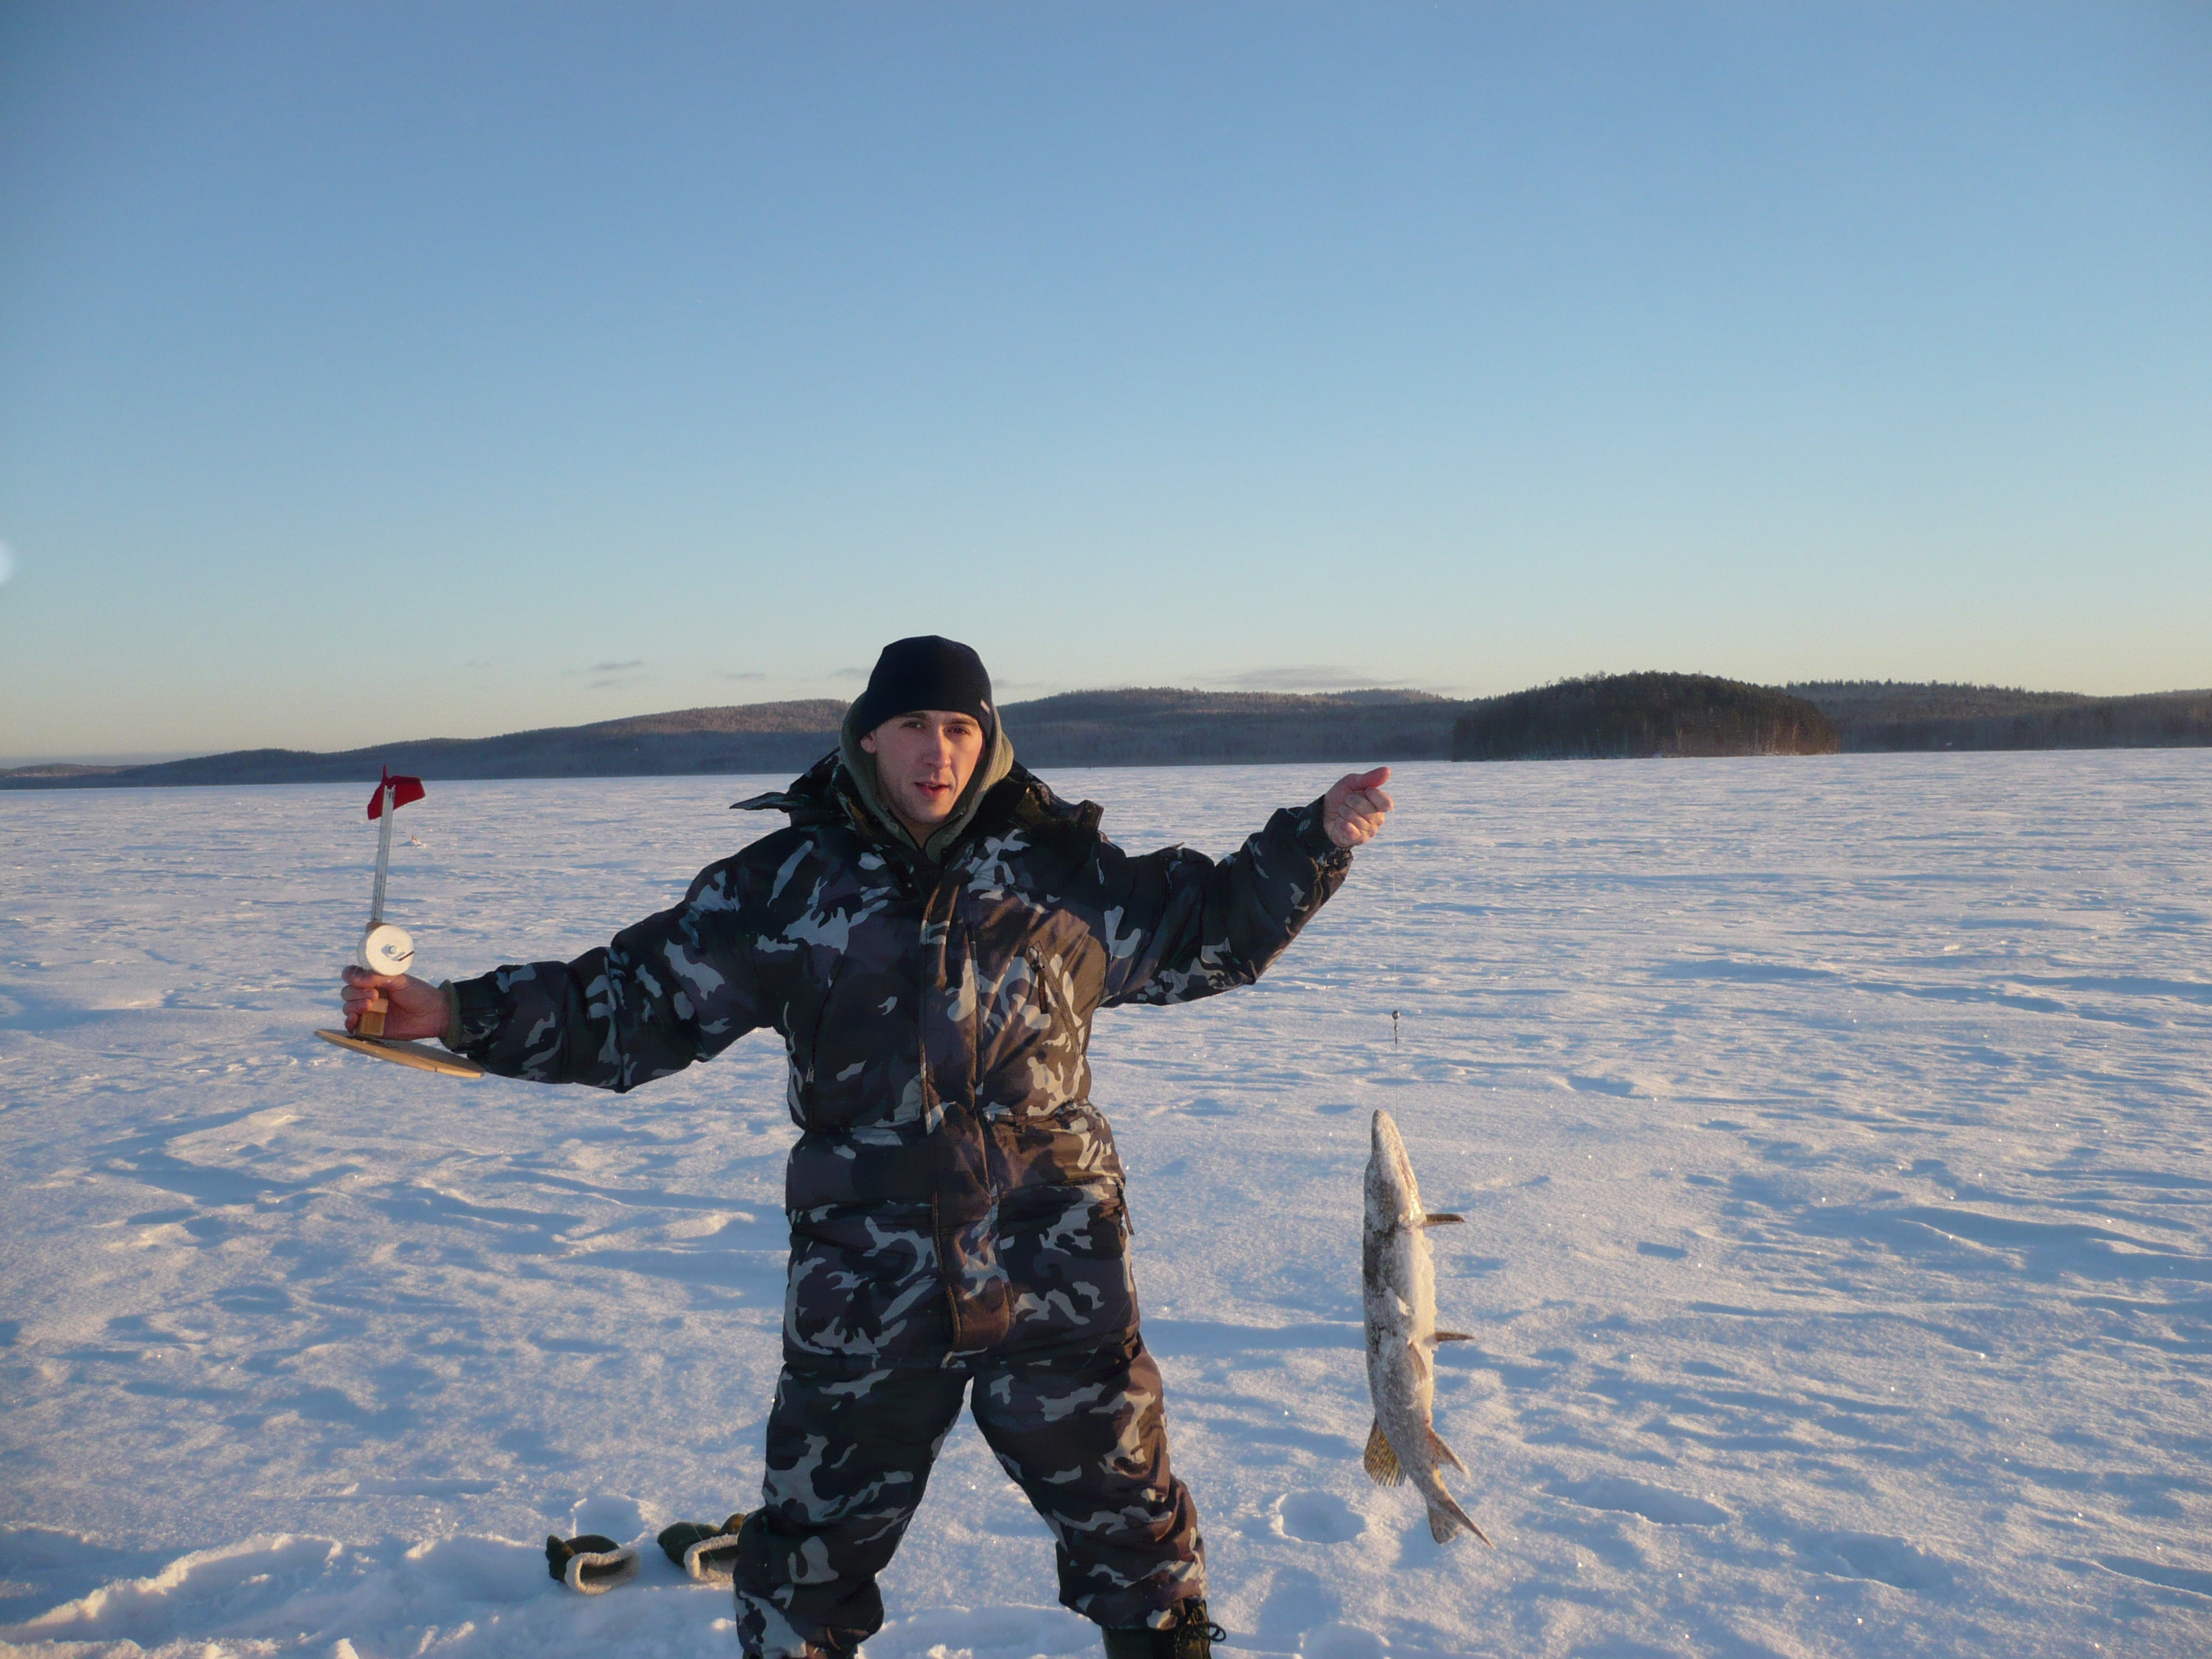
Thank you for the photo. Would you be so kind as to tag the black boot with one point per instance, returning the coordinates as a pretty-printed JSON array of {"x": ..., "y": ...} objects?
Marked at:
[
  {"x": 1191, "y": 1636},
  {"x": 703, "y": 1552}
]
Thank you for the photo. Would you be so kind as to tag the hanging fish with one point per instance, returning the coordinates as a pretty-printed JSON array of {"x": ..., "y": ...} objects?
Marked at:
[{"x": 1398, "y": 1289}]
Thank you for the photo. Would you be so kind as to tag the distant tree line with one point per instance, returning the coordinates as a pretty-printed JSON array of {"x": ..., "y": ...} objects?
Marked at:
[
  {"x": 1602, "y": 715},
  {"x": 1640, "y": 716},
  {"x": 1142, "y": 727},
  {"x": 1165, "y": 728},
  {"x": 1881, "y": 716},
  {"x": 1857, "y": 701}
]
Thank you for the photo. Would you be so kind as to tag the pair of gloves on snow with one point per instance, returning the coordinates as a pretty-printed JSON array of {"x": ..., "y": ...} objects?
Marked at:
[{"x": 593, "y": 1564}]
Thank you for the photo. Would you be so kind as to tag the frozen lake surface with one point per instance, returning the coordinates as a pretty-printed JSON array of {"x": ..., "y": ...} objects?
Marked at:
[{"x": 1832, "y": 1133}]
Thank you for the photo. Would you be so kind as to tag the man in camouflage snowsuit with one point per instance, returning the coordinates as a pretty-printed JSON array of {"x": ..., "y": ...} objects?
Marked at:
[{"x": 956, "y": 1204}]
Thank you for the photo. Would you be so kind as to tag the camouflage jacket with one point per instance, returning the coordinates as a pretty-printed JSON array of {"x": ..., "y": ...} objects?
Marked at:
[{"x": 937, "y": 1018}]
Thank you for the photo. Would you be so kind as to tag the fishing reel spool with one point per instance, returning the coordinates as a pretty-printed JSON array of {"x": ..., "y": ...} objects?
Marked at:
[{"x": 385, "y": 950}]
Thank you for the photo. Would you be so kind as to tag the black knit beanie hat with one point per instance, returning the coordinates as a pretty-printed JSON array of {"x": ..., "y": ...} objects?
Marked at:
[{"x": 926, "y": 671}]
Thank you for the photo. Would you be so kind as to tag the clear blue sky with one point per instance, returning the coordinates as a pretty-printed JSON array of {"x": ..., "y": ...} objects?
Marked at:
[{"x": 372, "y": 371}]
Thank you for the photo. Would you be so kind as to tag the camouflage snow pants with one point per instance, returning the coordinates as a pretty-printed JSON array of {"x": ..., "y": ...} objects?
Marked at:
[{"x": 1080, "y": 1429}]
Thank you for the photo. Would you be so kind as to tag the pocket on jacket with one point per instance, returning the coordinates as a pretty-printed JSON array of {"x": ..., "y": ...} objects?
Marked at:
[
  {"x": 864, "y": 1283},
  {"x": 1066, "y": 1255}
]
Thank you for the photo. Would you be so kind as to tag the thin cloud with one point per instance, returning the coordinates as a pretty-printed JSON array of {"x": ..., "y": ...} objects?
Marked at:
[
  {"x": 6, "y": 563},
  {"x": 610, "y": 676},
  {"x": 849, "y": 674},
  {"x": 749, "y": 674}
]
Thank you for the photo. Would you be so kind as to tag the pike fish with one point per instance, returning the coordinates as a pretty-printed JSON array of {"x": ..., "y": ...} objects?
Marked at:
[{"x": 1398, "y": 1288}]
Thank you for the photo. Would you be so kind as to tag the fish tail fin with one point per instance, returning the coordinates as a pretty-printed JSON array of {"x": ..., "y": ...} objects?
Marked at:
[
  {"x": 1447, "y": 1520},
  {"x": 1382, "y": 1463},
  {"x": 1452, "y": 1336},
  {"x": 1442, "y": 1219},
  {"x": 1444, "y": 1454}
]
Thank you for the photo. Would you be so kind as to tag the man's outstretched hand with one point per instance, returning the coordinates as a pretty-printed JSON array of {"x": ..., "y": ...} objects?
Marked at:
[
  {"x": 418, "y": 1008},
  {"x": 1351, "y": 813}
]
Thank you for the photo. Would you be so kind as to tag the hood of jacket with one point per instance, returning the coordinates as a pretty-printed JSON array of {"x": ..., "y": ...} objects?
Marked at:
[
  {"x": 992, "y": 767},
  {"x": 843, "y": 785},
  {"x": 824, "y": 793}
]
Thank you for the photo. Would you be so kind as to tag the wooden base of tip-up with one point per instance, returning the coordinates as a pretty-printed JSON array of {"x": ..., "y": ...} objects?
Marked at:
[{"x": 420, "y": 1055}]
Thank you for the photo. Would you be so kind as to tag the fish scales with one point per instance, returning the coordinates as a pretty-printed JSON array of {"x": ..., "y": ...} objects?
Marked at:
[{"x": 1398, "y": 1291}]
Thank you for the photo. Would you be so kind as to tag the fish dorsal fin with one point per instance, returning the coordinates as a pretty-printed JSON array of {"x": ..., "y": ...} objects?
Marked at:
[
  {"x": 1382, "y": 1463},
  {"x": 1442, "y": 1219},
  {"x": 1444, "y": 1454},
  {"x": 1452, "y": 1336}
]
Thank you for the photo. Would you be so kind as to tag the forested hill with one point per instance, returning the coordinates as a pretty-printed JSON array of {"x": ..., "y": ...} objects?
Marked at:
[
  {"x": 1638, "y": 716},
  {"x": 1888, "y": 715},
  {"x": 1164, "y": 726},
  {"x": 1612, "y": 715},
  {"x": 1147, "y": 727}
]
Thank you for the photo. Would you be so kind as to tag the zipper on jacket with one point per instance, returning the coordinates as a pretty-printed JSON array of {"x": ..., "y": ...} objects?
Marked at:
[
  {"x": 945, "y": 1272},
  {"x": 809, "y": 1122}
]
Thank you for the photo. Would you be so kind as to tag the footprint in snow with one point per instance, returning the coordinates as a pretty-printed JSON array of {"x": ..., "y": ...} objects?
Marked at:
[
  {"x": 1342, "y": 1642},
  {"x": 1657, "y": 1503},
  {"x": 1317, "y": 1517},
  {"x": 2167, "y": 1574},
  {"x": 1885, "y": 1560},
  {"x": 1296, "y": 1601}
]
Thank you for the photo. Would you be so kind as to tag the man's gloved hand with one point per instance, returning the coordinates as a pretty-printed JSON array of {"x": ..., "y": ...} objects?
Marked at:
[{"x": 418, "y": 1008}]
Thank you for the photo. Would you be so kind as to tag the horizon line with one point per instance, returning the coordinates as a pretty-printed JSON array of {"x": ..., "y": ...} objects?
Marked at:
[{"x": 156, "y": 757}]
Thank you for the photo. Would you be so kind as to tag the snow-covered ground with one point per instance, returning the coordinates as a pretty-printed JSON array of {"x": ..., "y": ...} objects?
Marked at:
[{"x": 1832, "y": 1134}]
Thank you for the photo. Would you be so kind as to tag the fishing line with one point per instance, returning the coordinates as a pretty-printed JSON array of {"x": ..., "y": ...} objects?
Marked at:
[{"x": 1393, "y": 974}]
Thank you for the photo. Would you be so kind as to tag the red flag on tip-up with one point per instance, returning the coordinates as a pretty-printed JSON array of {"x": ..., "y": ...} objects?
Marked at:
[{"x": 403, "y": 790}]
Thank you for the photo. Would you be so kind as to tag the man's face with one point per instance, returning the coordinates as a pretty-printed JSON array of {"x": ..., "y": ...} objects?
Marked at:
[{"x": 925, "y": 759}]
